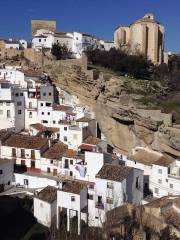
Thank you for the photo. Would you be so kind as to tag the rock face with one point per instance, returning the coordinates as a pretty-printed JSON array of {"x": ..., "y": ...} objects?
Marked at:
[
  {"x": 125, "y": 122},
  {"x": 123, "y": 117}
]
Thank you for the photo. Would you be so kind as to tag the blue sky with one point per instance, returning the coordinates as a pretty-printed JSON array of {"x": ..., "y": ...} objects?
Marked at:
[{"x": 99, "y": 17}]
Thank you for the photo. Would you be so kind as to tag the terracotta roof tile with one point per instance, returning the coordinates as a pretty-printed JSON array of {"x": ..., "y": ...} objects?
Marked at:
[
  {"x": 73, "y": 186},
  {"x": 48, "y": 194},
  {"x": 62, "y": 108},
  {"x": 25, "y": 141},
  {"x": 70, "y": 153},
  {"x": 56, "y": 151},
  {"x": 84, "y": 119},
  {"x": 114, "y": 172}
]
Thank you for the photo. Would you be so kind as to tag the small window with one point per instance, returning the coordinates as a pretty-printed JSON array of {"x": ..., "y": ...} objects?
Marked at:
[
  {"x": 65, "y": 138},
  {"x": 19, "y": 112},
  {"x": 54, "y": 122},
  {"x": 26, "y": 182},
  {"x": 96, "y": 217},
  {"x": 50, "y": 93},
  {"x": 39, "y": 40},
  {"x": 72, "y": 198},
  {"x": 160, "y": 181},
  {"x": 71, "y": 162},
  {"x": 65, "y": 128},
  {"x": 8, "y": 113},
  {"x": 156, "y": 190},
  {"x": 17, "y": 94},
  {"x": 30, "y": 114},
  {"x": 19, "y": 103},
  {"x": 90, "y": 196},
  {"x": 70, "y": 173},
  {"x": 51, "y": 161},
  {"x": 44, "y": 121},
  {"x": 48, "y": 113},
  {"x": 48, "y": 104},
  {"x": 160, "y": 171},
  {"x": 110, "y": 185},
  {"x": 1, "y": 171},
  {"x": 41, "y": 104},
  {"x": 44, "y": 94},
  {"x": 42, "y": 113},
  {"x": 171, "y": 185},
  {"x": 137, "y": 182},
  {"x": 21, "y": 94}
]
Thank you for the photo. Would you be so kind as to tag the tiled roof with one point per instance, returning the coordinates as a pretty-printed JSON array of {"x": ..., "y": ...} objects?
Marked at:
[
  {"x": 42, "y": 128},
  {"x": 56, "y": 151},
  {"x": 62, "y": 108},
  {"x": 164, "y": 162},
  {"x": 48, "y": 194},
  {"x": 84, "y": 119},
  {"x": 73, "y": 186},
  {"x": 70, "y": 153},
  {"x": 31, "y": 73},
  {"x": 115, "y": 173},
  {"x": 25, "y": 141},
  {"x": 86, "y": 147}
]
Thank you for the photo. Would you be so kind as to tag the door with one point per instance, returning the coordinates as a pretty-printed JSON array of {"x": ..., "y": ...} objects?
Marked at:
[
  {"x": 55, "y": 172},
  {"x": 32, "y": 164}
]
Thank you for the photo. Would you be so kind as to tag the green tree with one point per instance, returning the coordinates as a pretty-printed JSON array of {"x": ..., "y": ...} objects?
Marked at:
[{"x": 60, "y": 51}]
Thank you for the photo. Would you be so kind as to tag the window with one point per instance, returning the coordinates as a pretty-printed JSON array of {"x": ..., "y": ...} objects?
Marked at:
[
  {"x": 51, "y": 161},
  {"x": 50, "y": 93},
  {"x": 19, "y": 103},
  {"x": 42, "y": 113},
  {"x": 13, "y": 152},
  {"x": 21, "y": 94},
  {"x": 1, "y": 171},
  {"x": 26, "y": 182},
  {"x": 17, "y": 94},
  {"x": 65, "y": 128},
  {"x": 33, "y": 164},
  {"x": 39, "y": 40},
  {"x": 48, "y": 170},
  {"x": 96, "y": 217},
  {"x": 44, "y": 94},
  {"x": 48, "y": 113},
  {"x": 160, "y": 171},
  {"x": 8, "y": 113},
  {"x": 32, "y": 154},
  {"x": 48, "y": 104},
  {"x": 41, "y": 104},
  {"x": 72, "y": 198},
  {"x": 19, "y": 112},
  {"x": 30, "y": 114},
  {"x": 160, "y": 181},
  {"x": 156, "y": 190},
  {"x": 137, "y": 182},
  {"x": 22, "y": 153},
  {"x": 109, "y": 200},
  {"x": 110, "y": 185},
  {"x": 70, "y": 173},
  {"x": 65, "y": 138},
  {"x": 54, "y": 122},
  {"x": 30, "y": 104},
  {"x": 171, "y": 185},
  {"x": 45, "y": 121},
  {"x": 90, "y": 196},
  {"x": 71, "y": 162},
  {"x": 1, "y": 112}
]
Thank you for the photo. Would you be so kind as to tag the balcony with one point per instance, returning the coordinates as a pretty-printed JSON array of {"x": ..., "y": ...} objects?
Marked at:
[{"x": 100, "y": 205}]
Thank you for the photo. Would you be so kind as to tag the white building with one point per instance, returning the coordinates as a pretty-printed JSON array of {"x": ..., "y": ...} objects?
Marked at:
[
  {"x": 107, "y": 45},
  {"x": 165, "y": 177},
  {"x": 45, "y": 203},
  {"x": 72, "y": 202},
  {"x": 114, "y": 185},
  {"x": 6, "y": 174},
  {"x": 12, "y": 44},
  {"x": 43, "y": 39}
]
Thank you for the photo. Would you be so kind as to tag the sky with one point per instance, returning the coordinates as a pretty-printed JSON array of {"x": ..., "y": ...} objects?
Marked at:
[{"x": 98, "y": 17}]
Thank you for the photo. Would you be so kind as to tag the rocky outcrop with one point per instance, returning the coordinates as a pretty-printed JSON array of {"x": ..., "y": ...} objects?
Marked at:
[{"x": 123, "y": 117}]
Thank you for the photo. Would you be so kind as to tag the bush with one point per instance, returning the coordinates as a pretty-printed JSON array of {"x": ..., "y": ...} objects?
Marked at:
[
  {"x": 120, "y": 62},
  {"x": 60, "y": 51}
]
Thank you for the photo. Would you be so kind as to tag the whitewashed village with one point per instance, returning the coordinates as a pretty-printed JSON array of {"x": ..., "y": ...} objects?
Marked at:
[{"x": 52, "y": 150}]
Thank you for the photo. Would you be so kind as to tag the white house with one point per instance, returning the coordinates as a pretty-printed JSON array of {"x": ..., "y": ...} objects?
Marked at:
[
  {"x": 12, "y": 44},
  {"x": 6, "y": 174},
  {"x": 45, "y": 203},
  {"x": 165, "y": 177},
  {"x": 107, "y": 45},
  {"x": 25, "y": 150},
  {"x": 43, "y": 39},
  {"x": 114, "y": 185},
  {"x": 72, "y": 202}
]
